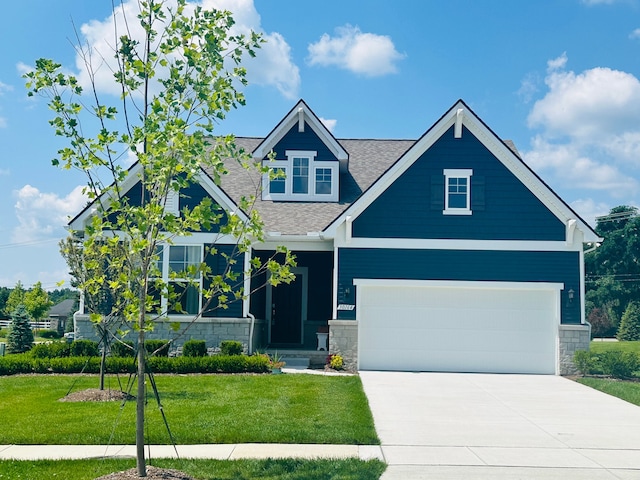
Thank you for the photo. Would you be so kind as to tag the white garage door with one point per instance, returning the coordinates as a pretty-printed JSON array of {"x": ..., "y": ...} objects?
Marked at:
[{"x": 492, "y": 327}]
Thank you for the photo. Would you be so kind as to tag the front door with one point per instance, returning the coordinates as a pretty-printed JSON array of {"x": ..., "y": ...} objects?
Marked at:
[{"x": 287, "y": 310}]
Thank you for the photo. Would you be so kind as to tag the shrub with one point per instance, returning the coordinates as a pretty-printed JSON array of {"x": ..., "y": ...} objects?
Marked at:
[
  {"x": 153, "y": 345},
  {"x": 51, "y": 350},
  {"x": 84, "y": 348},
  {"x": 122, "y": 349},
  {"x": 20, "y": 338},
  {"x": 618, "y": 364},
  {"x": 75, "y": 365},
  {"x": 49, "y": 334},
  {"x": 3, "y": 332},
  {"x": 15, "y": 364},
  {"x": 629, "y": 328},
  {"x": 231, "y": 347},
  {"x": 585, "y": 361},
  {"x": 194, "y": 348},
  {"x": 601, "y": 325}
]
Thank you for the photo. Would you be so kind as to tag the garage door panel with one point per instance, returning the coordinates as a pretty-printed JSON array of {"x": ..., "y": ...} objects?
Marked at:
[{"x": 457, "y": 329}]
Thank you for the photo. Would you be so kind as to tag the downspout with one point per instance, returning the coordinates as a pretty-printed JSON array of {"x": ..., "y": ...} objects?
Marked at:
[{"x": 251, "y": 327}]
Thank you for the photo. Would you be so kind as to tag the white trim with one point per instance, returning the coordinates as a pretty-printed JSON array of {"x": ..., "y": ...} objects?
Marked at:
[
  {"x": 246, "y": 301},
  {"x": 505, "y": 155},
  {"x": 382, "y": 282},
  {"x": 457, "y": 244},
  {"x": 457, "y": 133},
  {"x": 334, "y": 311},
  {"x": 316, "y": 125},
  {"x": 465, "y": 173}
]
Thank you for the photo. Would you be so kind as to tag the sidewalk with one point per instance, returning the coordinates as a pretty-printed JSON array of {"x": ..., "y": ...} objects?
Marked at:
[{"x": 216, "y": 452}]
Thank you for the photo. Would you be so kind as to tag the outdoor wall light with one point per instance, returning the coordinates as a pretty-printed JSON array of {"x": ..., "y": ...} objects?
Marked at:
[{"x": 570, "y": 293}]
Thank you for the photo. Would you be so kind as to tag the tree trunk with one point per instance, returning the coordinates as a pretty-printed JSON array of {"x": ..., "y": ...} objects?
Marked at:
[
  {"x": 103, "y": 359},
  {"x": 140, "y": 460}
]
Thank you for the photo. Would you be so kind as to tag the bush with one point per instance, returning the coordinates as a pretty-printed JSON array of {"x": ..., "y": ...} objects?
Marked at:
[
  {"x": 618, "y": 364},
  {"x": 15, "y": 364},
  {"x": 194, "y": 348},
  {"x": 231, "y": 347},
  {"x": 3, "y": 332},
  {"x": 335, "y": 361},
  {"x": 601, "y": 325},
  {"x": 629, "y": 328},
  {"x": 122, "y": 349},
  {"x": 153, "y": 345},
  {"x": 51, "y": 350},
  {"x": 586, "y": 362},
  {"x": 49, "y": 334},
  {"x": 84, "y": 348}
]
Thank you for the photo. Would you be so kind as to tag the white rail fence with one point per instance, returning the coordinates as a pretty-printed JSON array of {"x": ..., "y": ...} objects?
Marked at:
[{"x": 45, "y": 324}]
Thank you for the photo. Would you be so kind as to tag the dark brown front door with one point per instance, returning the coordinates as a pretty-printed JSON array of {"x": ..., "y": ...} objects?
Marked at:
[{"x": 286, "y": 313}]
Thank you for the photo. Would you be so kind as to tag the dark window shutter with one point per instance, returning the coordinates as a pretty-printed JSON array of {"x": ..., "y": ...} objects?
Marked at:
[
  {"x": 437, "y": 192},
  {"x": 477, "y": 193}
]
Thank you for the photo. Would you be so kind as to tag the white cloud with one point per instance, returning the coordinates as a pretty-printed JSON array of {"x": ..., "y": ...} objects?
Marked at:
[
  {"x": 273, "y": 65},
  {"x": 589, "y": 209},
  {"x": 363, "y": 53},
  {"x": 42, "y": 214},
  {"x": 3, "y": 122},
  {"x": 4, "y": 88},
  {"x": 635, "y": 34},
  {"x": 330, "y": 123},
  {"x": 599, "y": 2},
  {"x": 588, "y": 130},
  {"x": 5, "y": 172}
]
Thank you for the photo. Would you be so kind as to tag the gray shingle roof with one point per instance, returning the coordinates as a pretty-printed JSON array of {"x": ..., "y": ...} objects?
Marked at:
[{"x": 368, "y": 160}]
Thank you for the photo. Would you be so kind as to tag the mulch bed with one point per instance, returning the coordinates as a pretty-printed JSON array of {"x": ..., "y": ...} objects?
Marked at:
[
  {"x": 153, "y": 473},
  {"x": 97, "y": 395}
]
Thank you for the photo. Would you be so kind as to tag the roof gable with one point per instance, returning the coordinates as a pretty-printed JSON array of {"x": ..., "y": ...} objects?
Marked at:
[
  {"x": 301, "y": 117},
  {"x": 457, "y": 117}
]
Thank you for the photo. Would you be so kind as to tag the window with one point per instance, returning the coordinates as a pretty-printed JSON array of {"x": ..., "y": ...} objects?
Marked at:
[
  {"x": 457, "y": 195},
  {"x": 301, "y": 178},
  {"x": 179, "y": 266},
  {"x": 300, "y": 175},
  {"x": 323, "y": 181}
]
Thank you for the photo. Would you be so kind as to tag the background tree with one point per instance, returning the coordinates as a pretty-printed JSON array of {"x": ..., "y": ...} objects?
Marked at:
[
  {"x": 601, "y": 325},
  {"x": 4, "y": 296},
  {"x": 613, "y": 269},
  {"x": 630, "y": 324},
  {"x": 15, "y": 299},
  {"x": 37, "y": 302},
  {"x": 20, "y": 338},
  {"x": 176, "y": 81}
]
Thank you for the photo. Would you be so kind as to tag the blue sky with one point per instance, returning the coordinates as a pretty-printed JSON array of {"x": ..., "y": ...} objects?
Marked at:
[{"x": 558, "y": 77}]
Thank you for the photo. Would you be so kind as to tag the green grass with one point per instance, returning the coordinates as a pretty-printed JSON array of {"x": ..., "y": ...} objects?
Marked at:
[
  {"x": 629, "y": 391},
  {"x": 598, "y": 346},
  {"x": 200, "y": 409},
  {"x": 286, "y": 469}
]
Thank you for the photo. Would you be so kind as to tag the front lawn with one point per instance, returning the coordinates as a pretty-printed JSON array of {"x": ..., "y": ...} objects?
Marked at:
[
  {"x": 200, "y": 409},
  {"x": 599, "y": 346},
  {"x": 286, "y": 469},
  {"x": 629, "y": 391}
]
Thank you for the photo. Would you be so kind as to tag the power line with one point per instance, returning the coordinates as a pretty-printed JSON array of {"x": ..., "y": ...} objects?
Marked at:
[{"x": 28, "y": 244}]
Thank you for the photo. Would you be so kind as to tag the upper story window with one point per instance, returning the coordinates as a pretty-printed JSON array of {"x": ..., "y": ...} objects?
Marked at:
[
  {"x": 178, "y": 265},
  {"x": 457, "y": 195},
  {"x": 302, "y": 178}
]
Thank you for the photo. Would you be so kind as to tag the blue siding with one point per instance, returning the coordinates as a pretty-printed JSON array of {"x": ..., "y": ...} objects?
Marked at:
[
  {"x": 462, "y": 265},
  {"x": 218, "y": 265},
  {"x": 307, "y": 140},
  {"x": 508, "y": 211}
]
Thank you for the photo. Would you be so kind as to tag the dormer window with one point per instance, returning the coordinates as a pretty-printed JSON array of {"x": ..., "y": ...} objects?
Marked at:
[{"x": 302, "y": 178}]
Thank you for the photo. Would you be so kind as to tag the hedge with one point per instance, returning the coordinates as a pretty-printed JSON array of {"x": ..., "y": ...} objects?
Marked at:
[
  {"x": 613, "y": 363},
  {"x": 24, "y": 363}
]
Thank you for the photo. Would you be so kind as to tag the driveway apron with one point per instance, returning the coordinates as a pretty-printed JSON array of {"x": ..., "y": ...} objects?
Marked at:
[{"x": 483, "y": 426}]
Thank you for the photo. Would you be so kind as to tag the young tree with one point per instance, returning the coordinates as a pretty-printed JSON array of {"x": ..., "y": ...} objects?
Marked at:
[
  {"x": 20, "y": 338},
  {"x": 37, "y": 302},
  {"x": 180, "y": 78},
  {"x": 15, "y": 299},
  {"x": 629, "y": 329},
  {"x": 601, "y": 325}
]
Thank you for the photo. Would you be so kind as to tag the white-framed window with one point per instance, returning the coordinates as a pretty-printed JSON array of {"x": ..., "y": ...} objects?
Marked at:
[
  {"x": 179, "y": 266},
  {"x": 457, "y": 191},
  {"x": 302, "y": 178}
]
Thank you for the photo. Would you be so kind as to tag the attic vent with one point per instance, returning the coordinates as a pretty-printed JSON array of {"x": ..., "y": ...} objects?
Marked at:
[
  {"x": 458, "y": 129},
  {"x": 301, "y": 120},
  {"x": 172, "y": 204}
]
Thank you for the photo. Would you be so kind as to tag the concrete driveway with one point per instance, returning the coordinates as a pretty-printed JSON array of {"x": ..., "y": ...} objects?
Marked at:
[{"x": 480, "y": 426}]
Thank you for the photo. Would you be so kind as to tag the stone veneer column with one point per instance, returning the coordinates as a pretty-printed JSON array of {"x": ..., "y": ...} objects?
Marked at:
[
  {"x": 343, "y": 340},
  {"x": 570, "y": 339}
]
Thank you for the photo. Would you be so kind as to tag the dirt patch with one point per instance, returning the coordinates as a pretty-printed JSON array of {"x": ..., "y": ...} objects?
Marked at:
[
  {"x": 153, "y": 473},
  {"x": 97, "y": 395}
]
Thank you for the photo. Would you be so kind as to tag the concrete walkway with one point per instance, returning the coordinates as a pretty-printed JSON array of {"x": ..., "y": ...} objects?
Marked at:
[{"x": 441, "y": 426}]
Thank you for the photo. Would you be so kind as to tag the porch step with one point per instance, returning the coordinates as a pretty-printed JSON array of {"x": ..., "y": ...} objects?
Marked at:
[{"x": 296, "y": 362}]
